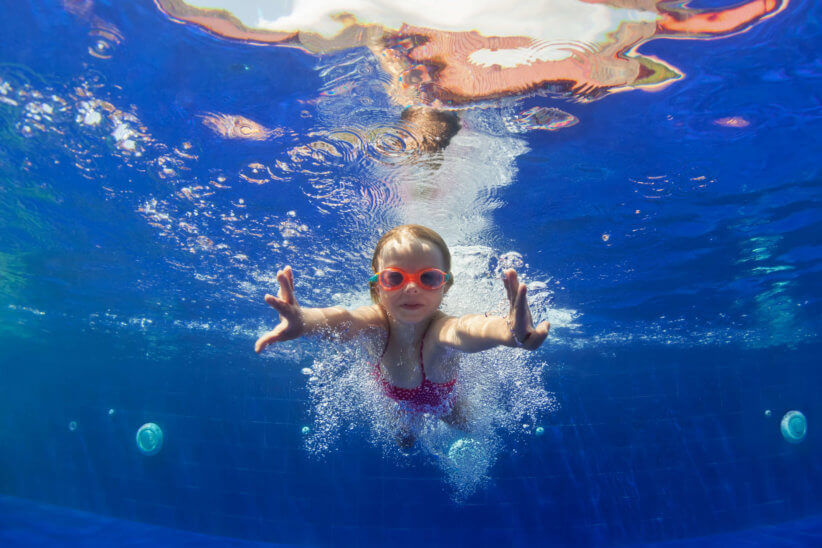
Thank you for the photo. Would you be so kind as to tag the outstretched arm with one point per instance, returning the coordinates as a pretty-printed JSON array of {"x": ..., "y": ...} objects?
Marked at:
[
  {"x": 723, "y": 21},
  {"x": 296, "y": 321},
  {"x": 475, "y": 332}
]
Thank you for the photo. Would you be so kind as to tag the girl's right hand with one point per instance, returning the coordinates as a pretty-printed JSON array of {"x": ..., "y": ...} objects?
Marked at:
[
  {"x": 519, "y": 319},
  {"x": 291, "y": 324}
]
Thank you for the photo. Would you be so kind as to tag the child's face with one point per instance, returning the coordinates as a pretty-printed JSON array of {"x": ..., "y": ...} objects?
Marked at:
[{"x": 411, "y": 303}]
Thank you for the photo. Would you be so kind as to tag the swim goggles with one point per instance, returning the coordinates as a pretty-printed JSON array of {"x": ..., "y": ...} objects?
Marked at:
[{"x": 391, "y": 279}]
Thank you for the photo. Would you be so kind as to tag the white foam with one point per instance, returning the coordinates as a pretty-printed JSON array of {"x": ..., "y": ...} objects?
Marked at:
[
  {"x": 544, "y": 20},
  {"x": 507, "y": 58}
]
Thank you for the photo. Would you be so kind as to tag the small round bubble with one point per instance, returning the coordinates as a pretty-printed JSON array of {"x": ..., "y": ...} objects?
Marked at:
[
  {"x": 305, "y": 430},
  {"x": 539, "y": 431},
  {"x": 149, "y": 439},
  {"x": 794, "y": 426},
  {"x": 72, "y": 426},
  {"x": 111, "y": 412},
  {"x": 768, "y": 412}
]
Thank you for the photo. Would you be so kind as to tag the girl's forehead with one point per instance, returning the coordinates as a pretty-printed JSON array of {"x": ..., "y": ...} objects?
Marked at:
[{"x": 411, "y": 252}]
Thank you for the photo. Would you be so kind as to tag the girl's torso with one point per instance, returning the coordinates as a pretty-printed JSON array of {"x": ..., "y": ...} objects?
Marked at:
[
  {"x": 422, "y": 375},
  {"x": 404, "y": 366}
]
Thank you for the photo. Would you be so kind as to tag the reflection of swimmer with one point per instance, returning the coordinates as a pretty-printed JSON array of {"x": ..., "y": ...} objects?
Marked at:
[
  {"x": 458, "y": 67},
  {"x": 433, "y": 129},
  {"x": 519, "y": 52},
  {"x": 417, "y": 348}
]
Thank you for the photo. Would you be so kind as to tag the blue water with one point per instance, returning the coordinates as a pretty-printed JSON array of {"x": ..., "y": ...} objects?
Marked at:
[{"x": 682, "y": 261}]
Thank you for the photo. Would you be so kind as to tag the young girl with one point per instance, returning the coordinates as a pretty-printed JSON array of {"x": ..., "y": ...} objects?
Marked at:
[{"x": 416, "y": 359}]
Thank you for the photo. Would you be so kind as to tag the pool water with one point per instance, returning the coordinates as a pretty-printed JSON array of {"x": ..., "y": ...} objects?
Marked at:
[{"x": 155, "y": 174}]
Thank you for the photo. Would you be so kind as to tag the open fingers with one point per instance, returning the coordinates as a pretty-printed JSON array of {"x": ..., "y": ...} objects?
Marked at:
[
  {"x": 277, "y": 304},
  {"x": 285, "y": 278},
  {"x": 290, "y": 274},
  {"x": 281, "y": 291},
  {"x": 269, "y": 338},
  {"x": 509, "y": 278},
  {"x": 522, "y": 315},
  {"x": 537, "y": 336}
]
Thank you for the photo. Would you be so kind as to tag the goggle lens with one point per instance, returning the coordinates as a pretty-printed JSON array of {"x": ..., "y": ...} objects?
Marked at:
[
  {"x": 432, "y": 278},
  {"x": 393, "y": 278}
]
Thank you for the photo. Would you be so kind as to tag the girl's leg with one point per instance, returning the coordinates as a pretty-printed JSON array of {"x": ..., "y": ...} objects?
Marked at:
[
  {"x": 404, "y": 435},
  {"x": 405, "y": 439},
  {"x": 458, "y": 416}
]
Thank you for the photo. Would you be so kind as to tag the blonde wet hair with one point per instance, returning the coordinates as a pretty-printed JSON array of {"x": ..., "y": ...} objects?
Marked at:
[{"x": 416, "y": 231}]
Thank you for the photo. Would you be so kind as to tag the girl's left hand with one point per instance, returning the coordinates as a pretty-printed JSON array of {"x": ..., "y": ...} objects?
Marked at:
[{"x": 519, "y": 319}]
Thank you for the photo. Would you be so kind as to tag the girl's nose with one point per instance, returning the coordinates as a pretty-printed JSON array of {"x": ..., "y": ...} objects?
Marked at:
[{"x": 412, "y": 287}]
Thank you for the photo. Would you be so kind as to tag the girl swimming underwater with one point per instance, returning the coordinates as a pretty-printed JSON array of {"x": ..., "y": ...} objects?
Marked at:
[{"x": 416, "y": 358}]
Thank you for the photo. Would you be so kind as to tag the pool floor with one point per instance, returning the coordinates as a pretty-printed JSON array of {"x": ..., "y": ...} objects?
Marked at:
[{"x": 28, "y": 523}]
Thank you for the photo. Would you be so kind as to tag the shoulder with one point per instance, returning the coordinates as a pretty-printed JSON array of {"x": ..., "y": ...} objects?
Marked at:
[
  {"x": 372, "y": 314},
  {"x": 371, "y": 328},
  {"x": 369, "y": 317}
]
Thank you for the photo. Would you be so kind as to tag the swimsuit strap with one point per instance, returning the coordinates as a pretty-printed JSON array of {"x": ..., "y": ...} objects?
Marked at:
[
  {"x": 422, "y": 341},
  {"x": 387, "y": 338}
]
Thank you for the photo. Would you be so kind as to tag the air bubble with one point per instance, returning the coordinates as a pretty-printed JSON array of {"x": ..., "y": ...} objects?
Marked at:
[
  {"x": 149, "y": 439},
  {"x": 72, "y": 426},
  {"x": 255, "y": 173},
  {"x": 794, "y": 426},
  {"x": 305, "y": 430},
  {"x": 544, "y": 118},
  {"x": 101, "y": 48},
  {"x": 732, "y": 121},
  {"x": 231, "y": 126},
  {"x": 539, "y": 431},
  {"x": 103, "y": 42},
  {"x": 463, "y": 452}
]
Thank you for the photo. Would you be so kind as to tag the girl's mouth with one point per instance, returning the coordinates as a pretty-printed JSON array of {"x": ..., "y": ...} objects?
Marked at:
[{"x": 411, "y": 306}]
